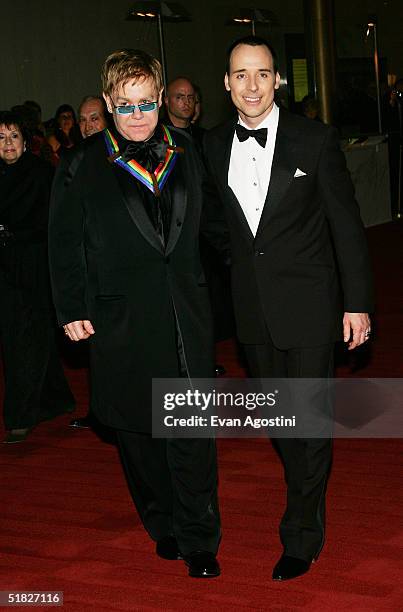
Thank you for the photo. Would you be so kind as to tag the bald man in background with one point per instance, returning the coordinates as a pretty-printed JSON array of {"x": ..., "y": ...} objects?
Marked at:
[{"x": 180, "y": 104}]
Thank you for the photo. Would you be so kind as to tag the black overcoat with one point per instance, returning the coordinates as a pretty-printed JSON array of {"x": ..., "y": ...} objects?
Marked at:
[
  {"x": 108, "y": 265},
  {"x": 35, "y": 386},
  {"x": 24, "y": 208}
]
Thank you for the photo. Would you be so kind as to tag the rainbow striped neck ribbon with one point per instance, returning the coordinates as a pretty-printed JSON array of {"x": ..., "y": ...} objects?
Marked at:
[{"x": 154, "y": 181}]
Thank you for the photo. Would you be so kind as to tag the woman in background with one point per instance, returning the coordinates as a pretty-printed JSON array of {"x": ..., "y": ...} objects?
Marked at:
[
  {"x": 35, "y": 385},
  {"x": 66, "y": 132}
]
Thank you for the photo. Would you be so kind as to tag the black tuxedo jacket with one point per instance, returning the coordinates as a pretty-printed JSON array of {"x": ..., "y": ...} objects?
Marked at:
[
  {"x": 308, "y": 261},
  {"x": 108, "y": 265}
]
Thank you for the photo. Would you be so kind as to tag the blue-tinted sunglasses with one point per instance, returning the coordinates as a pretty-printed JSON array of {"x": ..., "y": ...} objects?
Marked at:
[{"x": 128, "y": 109}]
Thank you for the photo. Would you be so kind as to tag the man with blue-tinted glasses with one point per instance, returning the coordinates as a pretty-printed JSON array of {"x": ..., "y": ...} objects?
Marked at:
[{"x": 127, "y": 277}]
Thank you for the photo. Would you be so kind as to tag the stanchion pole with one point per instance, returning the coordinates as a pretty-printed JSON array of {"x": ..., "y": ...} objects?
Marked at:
[
  {"x": 376, "y": 68},
  {"x": 162, "y": 49}
]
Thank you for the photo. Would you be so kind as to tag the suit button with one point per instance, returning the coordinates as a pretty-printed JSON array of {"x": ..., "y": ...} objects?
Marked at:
[
  {"x": 259, "y": 253},
  {"x": 178, "y": 222}
]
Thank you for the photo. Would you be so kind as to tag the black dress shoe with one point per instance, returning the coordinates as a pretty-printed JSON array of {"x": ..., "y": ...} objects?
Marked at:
[
  {"x": 202, "y": 564},
  {"x": 83, "y": 423},
  {"x": 290, "y": 567},
  {"x": 220, "y": 370},
  {"x": 167, "y": 548}
]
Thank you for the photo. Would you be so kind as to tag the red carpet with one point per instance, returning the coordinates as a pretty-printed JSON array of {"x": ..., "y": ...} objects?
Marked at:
[{"x": 67, "y": 522}]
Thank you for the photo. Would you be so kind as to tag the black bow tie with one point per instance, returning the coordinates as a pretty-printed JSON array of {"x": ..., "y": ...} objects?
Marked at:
[
  {"x": 243, "y": 134},
  {"x": 148, "y": 154}
]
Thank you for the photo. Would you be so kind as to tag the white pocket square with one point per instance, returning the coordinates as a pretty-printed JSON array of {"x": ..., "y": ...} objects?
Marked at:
[{"x": 298, "y": 173}]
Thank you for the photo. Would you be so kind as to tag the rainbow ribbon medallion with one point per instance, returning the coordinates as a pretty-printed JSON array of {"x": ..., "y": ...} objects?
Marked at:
[{"x": 154, "y": 181}]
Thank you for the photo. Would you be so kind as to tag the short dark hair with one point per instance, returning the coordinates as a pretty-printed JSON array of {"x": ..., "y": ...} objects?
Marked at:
[
  {"x": 252, "y": 41},
  {"x": 28, "y": 116},
  {"x": 14, "y": 118}
]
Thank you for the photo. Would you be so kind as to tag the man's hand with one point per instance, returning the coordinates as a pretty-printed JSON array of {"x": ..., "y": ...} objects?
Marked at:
[
  {"x": 359, "y": 325},
  {"x": 79, "y": 330}
]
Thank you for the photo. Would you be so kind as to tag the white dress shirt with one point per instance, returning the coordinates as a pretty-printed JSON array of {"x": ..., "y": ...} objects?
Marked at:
[{"x": 250, "y": 169}]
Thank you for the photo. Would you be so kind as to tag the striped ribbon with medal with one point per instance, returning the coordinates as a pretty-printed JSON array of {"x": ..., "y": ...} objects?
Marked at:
[{"x": 154, "y": 181}]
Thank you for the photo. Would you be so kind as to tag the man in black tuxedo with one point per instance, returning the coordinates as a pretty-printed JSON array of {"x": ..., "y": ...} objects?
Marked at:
[
  {"x": 295, "y": 236},
  {"x": 126, "y": 276}
]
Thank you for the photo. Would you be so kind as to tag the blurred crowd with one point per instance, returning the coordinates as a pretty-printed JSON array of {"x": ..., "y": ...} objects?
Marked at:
[{"x": 49, "y": 139}]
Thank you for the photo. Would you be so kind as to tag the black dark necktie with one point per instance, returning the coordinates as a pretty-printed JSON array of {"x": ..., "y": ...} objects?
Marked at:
[
  {"x": 148, "y": 154},
  {"x": 243, "y": 134}
]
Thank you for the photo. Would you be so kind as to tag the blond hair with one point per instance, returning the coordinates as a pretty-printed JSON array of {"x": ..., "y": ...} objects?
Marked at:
[{"x": 126, "y": 64}]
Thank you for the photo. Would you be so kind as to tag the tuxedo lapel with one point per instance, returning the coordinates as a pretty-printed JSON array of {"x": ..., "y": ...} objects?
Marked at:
[
  {"x": 179, "y": 195},
  {"x": 282, "y": 171},
  {"x": 239, "y": 212},
  {"x": 137, "y": 212},
  {"x": 228, "y": 137}
]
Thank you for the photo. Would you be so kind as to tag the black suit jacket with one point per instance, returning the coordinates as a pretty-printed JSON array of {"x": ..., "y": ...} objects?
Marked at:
[
  {"x": 308, "y": 261},
  {"x": 108, "y": 265}
]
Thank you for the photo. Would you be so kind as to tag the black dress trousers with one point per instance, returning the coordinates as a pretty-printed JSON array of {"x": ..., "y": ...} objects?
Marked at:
[
  {"x": 306, "y": 460},
  {"x": 173, "y": 484}
]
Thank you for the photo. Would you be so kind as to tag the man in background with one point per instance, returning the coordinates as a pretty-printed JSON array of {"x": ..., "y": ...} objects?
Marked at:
[
  {"x": 180, "y": 104},
  {"x": 92, "y": 115}
]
